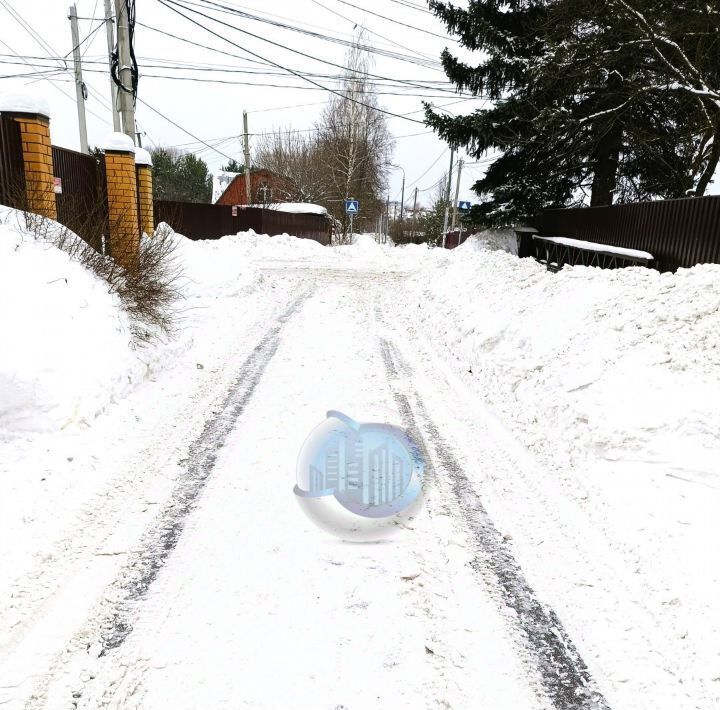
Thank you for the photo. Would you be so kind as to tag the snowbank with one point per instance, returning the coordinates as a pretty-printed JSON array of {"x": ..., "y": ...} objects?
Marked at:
[
  {"x": 591, "y": 364},
  {"x": 294, "y": 207},
  {"x": 67, "y": 347},
  {"x": 66, "y": 341}
]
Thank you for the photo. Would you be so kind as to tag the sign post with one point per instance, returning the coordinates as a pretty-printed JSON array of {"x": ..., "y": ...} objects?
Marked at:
[{"x": 352, "y": 207}]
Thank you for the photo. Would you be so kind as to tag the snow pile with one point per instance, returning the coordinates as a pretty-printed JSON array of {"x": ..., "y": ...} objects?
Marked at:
[
  {"x": 491, "y": 240},
  {"x": 67, "y": 347},
  {"x": 591, "y": 364},
  {"x": 218, "y": 268},
  {"x": 65, "y": 340}
]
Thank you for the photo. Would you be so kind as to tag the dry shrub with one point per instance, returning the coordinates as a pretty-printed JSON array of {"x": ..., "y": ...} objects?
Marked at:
[{"x": 149, "y": 294}]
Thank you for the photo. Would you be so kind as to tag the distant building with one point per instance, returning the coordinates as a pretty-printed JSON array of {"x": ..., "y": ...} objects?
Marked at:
[{"x": 266, "y": 187}]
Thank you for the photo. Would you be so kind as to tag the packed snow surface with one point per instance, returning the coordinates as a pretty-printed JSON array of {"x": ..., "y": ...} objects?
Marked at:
[{"x": 581, "y": 408}]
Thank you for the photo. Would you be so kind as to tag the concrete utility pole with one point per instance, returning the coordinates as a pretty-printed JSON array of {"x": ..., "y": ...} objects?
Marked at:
[
  {"x": 111, "y": 46},
  {"x": 402, "y": 202},
  {"x": 457, "y": 194},
  {"x": 412, "y": 233},
  {"x": 127, "y": 107},
  {"x": 387, "y": 218},
  {"x": 79, "y": 85},
  {"x": 447, "y": 197},
  {"x": 138, "y": 136},
  {"x": 246, "y": 138}
]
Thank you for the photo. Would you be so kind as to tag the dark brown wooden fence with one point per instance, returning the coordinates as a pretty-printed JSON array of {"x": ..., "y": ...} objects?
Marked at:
[
  {"x": 678, "y": 233},
  {"x": 203, "y": 221},
  {"x": 82, "y": 204},
  {"x": 12, "y": 171}
]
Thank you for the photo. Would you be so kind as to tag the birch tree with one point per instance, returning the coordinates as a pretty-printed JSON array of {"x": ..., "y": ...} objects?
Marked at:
[{"x": 354, "y": 144}]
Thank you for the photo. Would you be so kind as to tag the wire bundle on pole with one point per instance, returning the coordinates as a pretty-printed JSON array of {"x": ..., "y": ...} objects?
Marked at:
[{"x": 115, "y": 67}]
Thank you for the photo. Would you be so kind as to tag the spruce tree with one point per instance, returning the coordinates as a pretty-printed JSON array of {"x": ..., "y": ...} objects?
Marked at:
[{"x": 583, "y": 108}]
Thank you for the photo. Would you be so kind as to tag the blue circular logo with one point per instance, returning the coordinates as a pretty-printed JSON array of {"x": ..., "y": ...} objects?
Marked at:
[{"x": 359, "y": 481}]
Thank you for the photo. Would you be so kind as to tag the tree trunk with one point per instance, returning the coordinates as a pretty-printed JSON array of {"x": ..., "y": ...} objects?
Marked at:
[
  {"x": 605, "y": 159},
  {"x": 713, "y": 160}
]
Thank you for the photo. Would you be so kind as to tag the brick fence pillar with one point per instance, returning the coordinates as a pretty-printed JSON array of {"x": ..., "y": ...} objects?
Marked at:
[
  {"x": 121, "y": 179},
  {"x": 143, "y": 164},
  {"x": 33, "y": 116}
]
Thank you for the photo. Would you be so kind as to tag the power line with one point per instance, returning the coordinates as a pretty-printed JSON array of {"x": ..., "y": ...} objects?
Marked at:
[
  {"x": 184, "y": 4},
  {"x": 184, "y": 130},
  {"x": 291, "y": 71},
  {"x": 219, "y": 7},
  {"x": 397, "y": 22},
  {"x": 377, "y": 34}
]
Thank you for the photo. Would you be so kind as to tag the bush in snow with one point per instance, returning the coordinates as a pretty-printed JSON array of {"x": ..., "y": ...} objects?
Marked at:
[{"x": 149, "y": 294}]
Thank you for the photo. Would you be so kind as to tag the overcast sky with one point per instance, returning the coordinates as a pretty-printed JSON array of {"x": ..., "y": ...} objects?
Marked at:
[{"x": 212, "y": 110}]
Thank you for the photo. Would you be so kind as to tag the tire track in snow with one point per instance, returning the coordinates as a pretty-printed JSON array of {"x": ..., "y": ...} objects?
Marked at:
[
  {"x": 113, "y": 622},
  {"x": 159, "y": 542},
  {"x": 563, "y": 673}
]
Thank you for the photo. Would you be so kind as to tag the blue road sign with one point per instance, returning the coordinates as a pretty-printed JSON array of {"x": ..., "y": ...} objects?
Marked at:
[
  {"x": 463, "y": 205},
  {"x": 352, "y": 206}
]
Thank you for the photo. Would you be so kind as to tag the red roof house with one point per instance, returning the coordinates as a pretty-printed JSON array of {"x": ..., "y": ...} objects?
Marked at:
[{"x": 266, "y": 187}]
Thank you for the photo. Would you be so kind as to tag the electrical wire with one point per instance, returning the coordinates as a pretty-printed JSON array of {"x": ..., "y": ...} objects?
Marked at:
[
  {"x": 291, "y": 71},
  {"x": 397, "y": 22},
  {"x": 184, "y": 4},
  {"x": 184, "y": 130}
]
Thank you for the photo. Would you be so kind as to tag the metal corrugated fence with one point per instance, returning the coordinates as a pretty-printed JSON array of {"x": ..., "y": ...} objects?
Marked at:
[
  {"x": 12, "y": 170},
  {"x": 203, "y": 221},
  {"x": 82, "y": 204},
  {"x": 678, "y": 233}
]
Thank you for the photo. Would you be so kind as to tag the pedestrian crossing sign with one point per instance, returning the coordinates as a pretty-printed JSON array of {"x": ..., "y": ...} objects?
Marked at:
[
  {"x": 463, "y": 205},
  {"x": 352, "y": 206}
]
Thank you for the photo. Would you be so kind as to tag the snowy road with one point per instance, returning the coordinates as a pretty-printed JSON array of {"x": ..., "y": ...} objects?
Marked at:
[{"x": 194, "y": 580}]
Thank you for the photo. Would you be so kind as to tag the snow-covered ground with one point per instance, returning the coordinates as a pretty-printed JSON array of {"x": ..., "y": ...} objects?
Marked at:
[{"x": 154, "y": 555}]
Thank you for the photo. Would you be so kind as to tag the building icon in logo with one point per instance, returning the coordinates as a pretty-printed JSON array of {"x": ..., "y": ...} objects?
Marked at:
[{"x": 371, "y": 470}]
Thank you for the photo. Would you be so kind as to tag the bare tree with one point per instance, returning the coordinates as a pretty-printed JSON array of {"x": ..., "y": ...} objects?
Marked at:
[
  {"x": 354, "y": 144},
  {"x": 295, "y": 156}
]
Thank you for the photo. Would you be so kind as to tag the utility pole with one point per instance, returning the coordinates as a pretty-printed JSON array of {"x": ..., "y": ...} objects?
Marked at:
[
  {"x": 412, "y": 233},
  {"x": 246, "y": 139},
  {"x": 79, "y": 85},
  {"x": 387, "y": 218},
  {"x": 138, "y": 136},
  {"x": 457, "y": 194},
  {"x": 402, "y": 206},
  {"x": 125, "y": 96},
  {"x": 447, "y": 197},
  {"x": 111, "y": 48}
]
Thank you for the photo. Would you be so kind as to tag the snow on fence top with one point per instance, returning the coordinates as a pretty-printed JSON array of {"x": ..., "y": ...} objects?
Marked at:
[
  {"x": 142, "y": 157},
  {"x": 595, "y": 246},
  {"x": 22, "y": 102},
  {"x": 293, "y": 207},
  {"x": 120, "y": 142}
]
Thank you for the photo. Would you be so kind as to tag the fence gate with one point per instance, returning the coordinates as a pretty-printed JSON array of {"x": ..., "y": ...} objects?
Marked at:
[
  {"x": 82, "y": 204},
  {"x": 12, "y": 170}
]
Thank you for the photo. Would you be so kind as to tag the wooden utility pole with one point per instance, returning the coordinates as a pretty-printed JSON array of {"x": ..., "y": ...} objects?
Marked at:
[
  {"x": 125, "y": 96},
  {"x": 246, "y": 138},
  {"x": 79, "y": 85},
  {"x": 111, "y": 47},
  {"x": 412, "y": 233},
  {"x": 457, "y": 194}
]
